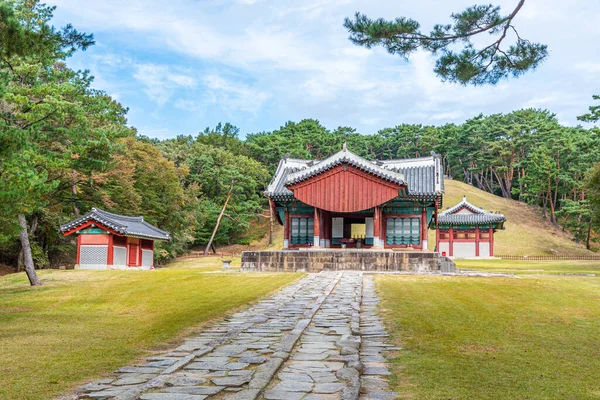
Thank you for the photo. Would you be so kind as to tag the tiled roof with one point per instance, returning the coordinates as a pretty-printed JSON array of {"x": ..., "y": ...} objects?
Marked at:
[
  {"x": 286, "y": 166},
  {"x": 470, "y": 219},
  {"x": 345, "y": 157},
  {"x": 423, "y": 176},
  {"x": 125, "y": 225},
  {"x": 478, "y": 216}
]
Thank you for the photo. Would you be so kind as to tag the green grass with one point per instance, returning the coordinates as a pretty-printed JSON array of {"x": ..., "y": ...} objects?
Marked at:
[
  {"x": 531, "y": 267},
  {"x": 536, "y": 337},
  {"x": 82, "y": 324},
  {"x": 206, "y": 264},
  {"x": 527, "y": 233}
]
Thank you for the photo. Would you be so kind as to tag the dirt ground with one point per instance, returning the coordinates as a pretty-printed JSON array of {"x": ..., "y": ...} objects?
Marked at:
[{"x": 6, "y": 269}]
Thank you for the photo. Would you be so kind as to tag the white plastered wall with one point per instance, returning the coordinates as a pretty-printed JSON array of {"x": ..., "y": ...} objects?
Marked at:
[
  {"x": 484, "y": 249},
  {"x": 120, "y": 256},
  {"x": 147, "y": 258},
  {"x": 463, "y": 250}
]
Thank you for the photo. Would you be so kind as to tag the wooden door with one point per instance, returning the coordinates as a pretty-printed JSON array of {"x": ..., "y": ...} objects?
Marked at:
[{"x": 132, "y": 255}]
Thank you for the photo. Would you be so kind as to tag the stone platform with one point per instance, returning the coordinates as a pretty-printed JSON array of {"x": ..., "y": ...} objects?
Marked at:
[{"x": 317, "y": 260}]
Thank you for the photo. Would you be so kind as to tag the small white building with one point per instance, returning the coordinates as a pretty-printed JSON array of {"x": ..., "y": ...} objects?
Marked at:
[{"x": 467, "y": 231}]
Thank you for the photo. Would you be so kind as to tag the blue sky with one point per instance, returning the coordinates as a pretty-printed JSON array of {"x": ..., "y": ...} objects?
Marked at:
[{"x": 182, "y": 65}]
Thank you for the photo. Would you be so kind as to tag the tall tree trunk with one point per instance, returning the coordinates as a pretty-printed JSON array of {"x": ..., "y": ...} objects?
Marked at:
[
  {"x": 578, "y": 236},
  {"x": 589, "y": 233},
  {"x": 544, "y": 206},
  {"x": 520, "y": 184},
  {"x": 20, "y": 259},
  {"x": 502, "y": 184},
  {"x": 212, "y": 237},
  {"x": 552, "y": 209},
  {"x": 565, "y": 222},
  {"x": 28, "y": 258}
]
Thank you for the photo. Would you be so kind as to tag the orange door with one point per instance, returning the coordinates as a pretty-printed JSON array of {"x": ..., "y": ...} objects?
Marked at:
[{"x": 132, "y": 255}]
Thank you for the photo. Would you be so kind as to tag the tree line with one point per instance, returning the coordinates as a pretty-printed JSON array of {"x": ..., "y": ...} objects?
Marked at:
[{"x": 66, "y": 147}]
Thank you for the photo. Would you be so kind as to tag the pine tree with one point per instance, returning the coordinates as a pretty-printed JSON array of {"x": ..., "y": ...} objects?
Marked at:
[{"x": 471, "y": 65}]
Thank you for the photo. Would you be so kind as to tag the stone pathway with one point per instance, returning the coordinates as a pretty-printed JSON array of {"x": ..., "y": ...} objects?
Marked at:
[{"x": 319, "y": 338}]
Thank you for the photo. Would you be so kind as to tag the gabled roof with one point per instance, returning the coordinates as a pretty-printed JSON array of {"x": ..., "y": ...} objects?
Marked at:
[
  {"x": 286, "y": 166},
  {"x": 477, "y": 215},
  {"x": 125, "y": 225},
  {"x": 344, "y": 157},
  {"x": 423, "y": 176}
]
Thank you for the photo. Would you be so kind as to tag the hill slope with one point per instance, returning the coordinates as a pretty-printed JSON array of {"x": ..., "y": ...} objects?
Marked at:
[{"x": 526, "y": 233}]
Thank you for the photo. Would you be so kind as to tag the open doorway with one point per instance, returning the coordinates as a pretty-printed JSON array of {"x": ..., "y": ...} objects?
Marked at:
[{"x": 352, "y": 230}]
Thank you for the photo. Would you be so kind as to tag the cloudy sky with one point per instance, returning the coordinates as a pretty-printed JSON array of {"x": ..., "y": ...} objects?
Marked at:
[{"x": 183, "y": 65}]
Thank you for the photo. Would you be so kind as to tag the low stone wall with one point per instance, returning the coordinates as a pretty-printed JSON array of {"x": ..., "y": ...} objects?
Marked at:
[{"x": 335, "y": 260}]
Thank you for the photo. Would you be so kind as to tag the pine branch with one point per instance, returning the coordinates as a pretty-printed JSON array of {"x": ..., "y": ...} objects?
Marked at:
[{"x": 469, "y": 66}]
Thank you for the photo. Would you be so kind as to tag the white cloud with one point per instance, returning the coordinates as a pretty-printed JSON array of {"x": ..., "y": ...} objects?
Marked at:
[
  {"x": 160, "y": 81},
  {"x": 234, "y": 96},
  {"x": 281, "y": 60}
]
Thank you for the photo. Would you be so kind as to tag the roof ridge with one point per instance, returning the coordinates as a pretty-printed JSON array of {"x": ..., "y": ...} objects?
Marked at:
[
  {"x": 138, "y": 218},
  {"x": 464, "y": 203},
  {"x": 408, "y": 159},
  {"x": 348, "y": 156},
  {"x": 122, "y": 224}
]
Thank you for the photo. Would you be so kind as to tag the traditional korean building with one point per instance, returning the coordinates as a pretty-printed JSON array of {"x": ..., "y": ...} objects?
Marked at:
[
  {"x": 348, "y": 201},
  {"x": 111, "y": 241},
  {"x": 467, "y": 231}
]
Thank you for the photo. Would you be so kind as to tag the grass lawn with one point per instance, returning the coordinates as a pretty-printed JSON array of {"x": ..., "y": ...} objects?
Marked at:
[
  {"x": 532, "y": 267},
  {"x": 537, "y": 337},
  {"x": 82, "y": 324}
]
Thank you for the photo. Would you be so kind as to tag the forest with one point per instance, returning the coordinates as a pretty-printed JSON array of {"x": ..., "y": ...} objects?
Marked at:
[{"x": 66, "y": 146}]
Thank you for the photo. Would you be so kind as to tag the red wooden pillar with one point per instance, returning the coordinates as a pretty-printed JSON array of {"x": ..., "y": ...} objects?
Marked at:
[
  {"x": 286, "y": 229},
  {"x": 78, "y": 248},
  {"x": 152, "y": 248},
  {"x": 323, "y": 230},
  {"x": 317, "y": 228},
  {"x": 382, "y": 228},
  {"x": 326, "y": 231},
  {"x": 437, "y": 239},
  {"x": 476, "y": 241},
  {"x": 491, "y": 242},
  {"x": 451, "y": 242},
  {"x": 111, "y": 251},
  {"x": 139, "y": 259},
  {"x": 376, "y": 227}
]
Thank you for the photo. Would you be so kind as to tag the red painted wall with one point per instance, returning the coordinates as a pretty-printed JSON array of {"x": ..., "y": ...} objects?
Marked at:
[
  {"x": 345, "y": 188},
  {"x": 93, "y": 239}
]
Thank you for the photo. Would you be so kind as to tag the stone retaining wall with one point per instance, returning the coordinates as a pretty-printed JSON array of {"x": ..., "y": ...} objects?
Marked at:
[{"x": 361, "y": 260}]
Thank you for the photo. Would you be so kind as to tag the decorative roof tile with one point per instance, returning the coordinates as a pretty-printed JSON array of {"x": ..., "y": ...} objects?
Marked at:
[{"x": 125, "y": 225}]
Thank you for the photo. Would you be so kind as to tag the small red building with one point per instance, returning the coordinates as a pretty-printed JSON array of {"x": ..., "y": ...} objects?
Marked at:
[
  {"x": 467, "y": 231},
  {"x": 111, "y": 241}
]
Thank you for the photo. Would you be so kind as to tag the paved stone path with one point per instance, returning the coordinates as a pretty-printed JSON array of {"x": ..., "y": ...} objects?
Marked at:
[{"x": 319, "y": 338}]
